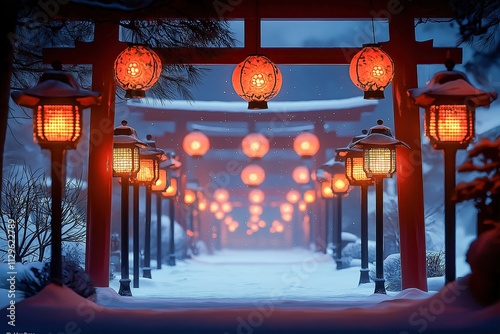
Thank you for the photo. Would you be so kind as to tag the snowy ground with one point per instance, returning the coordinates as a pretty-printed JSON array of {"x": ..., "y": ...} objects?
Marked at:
[{"x": 287, "y": 291}]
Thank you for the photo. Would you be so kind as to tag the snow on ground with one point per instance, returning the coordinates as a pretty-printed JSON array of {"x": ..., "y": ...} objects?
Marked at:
[{"x": 286, "y": 291}]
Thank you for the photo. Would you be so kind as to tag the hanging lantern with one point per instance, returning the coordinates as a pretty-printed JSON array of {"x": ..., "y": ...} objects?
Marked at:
[
  {"x": 221, "y": 195},
  {"x": 219, "y": 215},
  {"x": 226, "y": 207},
  {"x": 286, "y": 208},
  {"x": 214, "y": 207},
  {"x": 326, "y": 190},
  {"x": 293, "y": 196},
  {"x": 302, "y": 206},
  {"x": 301, "y": 174},
  {"x": 137, "y": 69},
  {"x": 189, "y": 196},
  {"x": 379, "y": 151},
  {"x": 256, "y": 196},
  {"x": 57, "y": 102},
  {"x": 255, "y": 145},
  {"x": 306, "y": 144},
  {"x": 126, "y": 151},
  {"x": 450, "y": 101},
  {"x": 196, "y": 144},
  {"x": 371, "y": 70},
  {"x": 309, "y": 196},
  {"x": 255, "y": 210},
  {"x": 253, "y": 175},
  {"x": 257, "y": 80},
  {"x": 172, "y": 188}
]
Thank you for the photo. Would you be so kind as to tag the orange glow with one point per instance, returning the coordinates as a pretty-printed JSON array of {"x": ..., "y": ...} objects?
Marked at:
[
  {"x": 255, "y": 145},
  {"x": 253, "y": 175},
  {"x": 171, "y": 190},
  {"x": 190, "y": 233},
  {"x": 196, "y": 144},
  {"x": 161, "y": 183},
  {"x": 226, "y": 207},
  {"x": 202, "y": 205},
  {"x": 379, "y": 162},
  {"x": 371, "y": 70},
  {"x": 261, "y": 224},
  {"x": 301, "y": 174},
  {"x": 231, "y": 228},
  {"x": 147, "y": 171},
  {"x": 214, "y": 207},
  {"x": 57, "y": 123},
  {"x": 256, "y": 196},
  {"x": 449, "y": 124},
  {"x": 137, "y": 69},
  {"x": 255, "y": 210},
  {"x": 293, "y": 196},
  {"x": 125, "y": 160},
  {"x": 306, "y": 144},
  {"x": 219, "y": 215},
  {"x": 310, "y": 196},
  {"x": 214, "y": 235},
  {"x": 302, "y": 206},
  {"x": 286, "y": 208},
  {"x": 189, "y": 196},
  {"x": 228, "y": 220},
  {"x": 326, "y": 190},
  {"x": 354, "y": 170},
  {"x": 254, "y": 218},
  {"x": 279, "y": 228},
  {"x": 249, "y": 232},
  {"x": 221, "y": 195},
  {"x": 257, "y": 80},
  {"x": 286, "y": 217},
  {"x": 339, "y": 183}
]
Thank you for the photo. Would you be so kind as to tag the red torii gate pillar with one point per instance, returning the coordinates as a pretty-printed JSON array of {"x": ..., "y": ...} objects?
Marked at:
[{"x": 101, "y": 53}]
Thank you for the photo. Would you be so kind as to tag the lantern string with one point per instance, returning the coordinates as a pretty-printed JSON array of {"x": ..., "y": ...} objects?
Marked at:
[{"x": 373, "y": 23}]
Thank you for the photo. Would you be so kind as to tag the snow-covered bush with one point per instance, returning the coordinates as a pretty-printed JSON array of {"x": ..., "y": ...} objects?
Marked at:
[
  {"x": 74, "y": 277},
  {"x": 392, "y": 269},
  {"x": 353, "y": 250}
]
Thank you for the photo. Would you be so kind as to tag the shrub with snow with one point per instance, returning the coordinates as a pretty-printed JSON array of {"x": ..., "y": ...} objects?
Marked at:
[{"x": 353, "y": 250}]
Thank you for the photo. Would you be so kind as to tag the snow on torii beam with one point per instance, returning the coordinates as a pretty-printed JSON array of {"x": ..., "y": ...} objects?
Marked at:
[{"x": 405, "y": 51}]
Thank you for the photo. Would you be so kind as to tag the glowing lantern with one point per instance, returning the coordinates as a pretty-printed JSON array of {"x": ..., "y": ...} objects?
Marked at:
[
  {"x": 253, "y": 175},
  {"x": 339, "y": 184},
  {"x": 279, "y": 228},
  {"x": 226, "y": 207},
  {"x": 162, "y": 182},
  {"x": 171, "y": 190},
  {"x": 309, "y": 196},
  {"x": 219, "y": 215},
  {"x": 286, "y": 217},
  {"x": 253, "y": 219},
  {"x": 371, "y": 70},
  {"x": 302, "y": 206},
  {"x": 196, "y": 144},
  {"x": 257, "y": 80},
  {"x": 450, "y": 101},
  {"x": 202, "y": 205},
  {"x": 231, "y": 228},
  {"x": 214, "y": 207},
  {"x": 137, "y": 69},
  {"x": 228, "y": 220},
  {"x": 301, "y": 174},
  {"x": 326, "y": 190},
  {"x": 255, "y": 210},
  {"x": 126, "y": 159},
  {"x": 221, "y": 195},
  {"x": 255, "y": 145},
  {"x": 189, "y": 196},
  {"x": 293, "y": 196},
  {"x": 306, "y": 144},
  {"x": 261, "y": 224},
  {"x": 353, "y": 158},
  {"x": 286, "y": 208},
  {"x": 256, "y": 196},
  {"x": 149, "y": 172},
  {"x": 57, "y": 102}
]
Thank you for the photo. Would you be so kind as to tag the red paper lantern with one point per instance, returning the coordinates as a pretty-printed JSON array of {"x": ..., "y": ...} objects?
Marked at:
[
  {"x": 196, "y": 144},
  {"x": 301, "y": 174},
  {"x": 255, "y": 145},
  {"x": 371, "y": 70},
  {"x": 137, "y": 69},
  {"x": 253, "y": 175},
  {"x": 257, "y": 80},
  {"x": 306, "y": 144}
]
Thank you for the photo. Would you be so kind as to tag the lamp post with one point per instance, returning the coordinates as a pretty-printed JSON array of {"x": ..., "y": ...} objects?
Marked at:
[
  {"x": 126, "y": 164},
  {"x": 147, "y": 175},
  {"x": 340, "y": 187},
  {"x": 353, "y": 158},
  {"x": 190, "y": 200},
  {"x": 57, "y": 102},
  {"x": 450, "y": 101},
  {"x": 157, "y": 188},
  {"x": 379, "y": 162},
  {"x": 171, "y": 193}
]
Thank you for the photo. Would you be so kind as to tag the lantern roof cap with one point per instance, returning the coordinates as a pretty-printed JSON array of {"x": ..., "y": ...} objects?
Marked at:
[
  {"x": 152, "y": 150},
  {"x": 450, "y": 85},
  {"x": 56, "y": 84},
  {"x": 378, "y": 135},
  {"x": 343, "y": 151},
  {"x": 333, "y": 167},
  {"x": 171, "y": 161},
  {"x": 124, "y": 134}
]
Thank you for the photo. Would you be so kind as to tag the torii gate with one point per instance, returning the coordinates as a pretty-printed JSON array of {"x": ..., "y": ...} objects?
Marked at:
[{"x": 402, "y": 47}]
